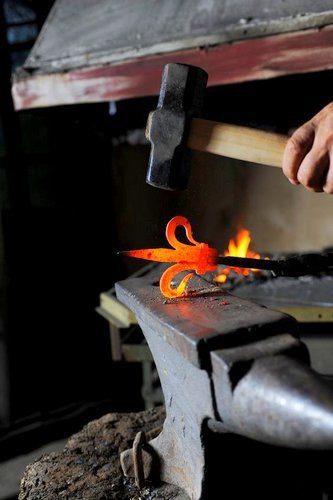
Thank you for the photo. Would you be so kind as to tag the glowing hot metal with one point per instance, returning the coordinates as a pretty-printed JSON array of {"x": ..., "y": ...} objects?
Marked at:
[
  {"x": 202, "y": 258},
  {"x": 199, "y": 257}
]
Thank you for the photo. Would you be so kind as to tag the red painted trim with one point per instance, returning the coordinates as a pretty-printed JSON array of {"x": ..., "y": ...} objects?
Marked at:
[{"x": 257, "y": 58}]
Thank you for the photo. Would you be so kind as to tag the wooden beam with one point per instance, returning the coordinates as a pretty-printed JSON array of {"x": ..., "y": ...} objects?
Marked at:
[{"x": 257, "y": 58}]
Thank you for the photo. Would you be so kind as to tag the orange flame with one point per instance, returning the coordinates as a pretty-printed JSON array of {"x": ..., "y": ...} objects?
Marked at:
[
  {"x": 198, "y": 257},
  {"x": 238, "y": 248}
]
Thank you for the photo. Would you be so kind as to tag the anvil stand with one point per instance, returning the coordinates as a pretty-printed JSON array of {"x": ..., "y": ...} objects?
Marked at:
[{"x": 228, "y": 366}]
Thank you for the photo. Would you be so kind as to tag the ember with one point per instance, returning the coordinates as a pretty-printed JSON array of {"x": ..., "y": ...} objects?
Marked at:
[
  {"x": 238, "y": 247},
  {"x": 198, "y": 257}
]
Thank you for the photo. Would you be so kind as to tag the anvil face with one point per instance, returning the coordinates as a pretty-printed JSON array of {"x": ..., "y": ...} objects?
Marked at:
[{"x": 207, "y": 319}]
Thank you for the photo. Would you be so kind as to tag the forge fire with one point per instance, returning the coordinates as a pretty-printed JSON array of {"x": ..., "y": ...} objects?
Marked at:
[{"x": 239, "y": 247}]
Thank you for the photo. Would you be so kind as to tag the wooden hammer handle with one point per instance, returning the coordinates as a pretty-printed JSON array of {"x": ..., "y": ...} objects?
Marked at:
[{"x": 233, "y": 141}]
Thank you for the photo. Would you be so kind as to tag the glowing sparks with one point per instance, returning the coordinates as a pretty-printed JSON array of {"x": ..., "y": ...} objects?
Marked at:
[{"x": 195, "y": 256}]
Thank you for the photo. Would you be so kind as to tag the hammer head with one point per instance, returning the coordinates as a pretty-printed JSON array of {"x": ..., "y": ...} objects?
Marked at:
[{"x": 181, "y": 99}]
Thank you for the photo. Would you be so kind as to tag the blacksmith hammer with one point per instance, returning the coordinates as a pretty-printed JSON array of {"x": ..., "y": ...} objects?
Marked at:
[{"x": 175, "y": 128}]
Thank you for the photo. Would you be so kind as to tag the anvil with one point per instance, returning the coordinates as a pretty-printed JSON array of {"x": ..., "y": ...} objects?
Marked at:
[{"x": 230, "y": 366}]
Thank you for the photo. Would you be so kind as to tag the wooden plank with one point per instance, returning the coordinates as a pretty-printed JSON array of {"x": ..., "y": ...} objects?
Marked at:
[
  {"x": 134, "y": 353},
  {"x": 110, "y": 304},
  {"x": 256, "y": 58},
  {"x": 310, "y": 314},
  {"x": 115, "y": 343},
  {"x": 110, "y": 318}
]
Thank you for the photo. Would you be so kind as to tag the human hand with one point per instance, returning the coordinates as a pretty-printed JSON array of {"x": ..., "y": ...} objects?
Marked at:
[{"x": 308, "y": 156}]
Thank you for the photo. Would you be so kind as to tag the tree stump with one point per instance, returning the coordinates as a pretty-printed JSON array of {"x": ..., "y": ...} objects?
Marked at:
[{"x": 89, "y": 468}]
